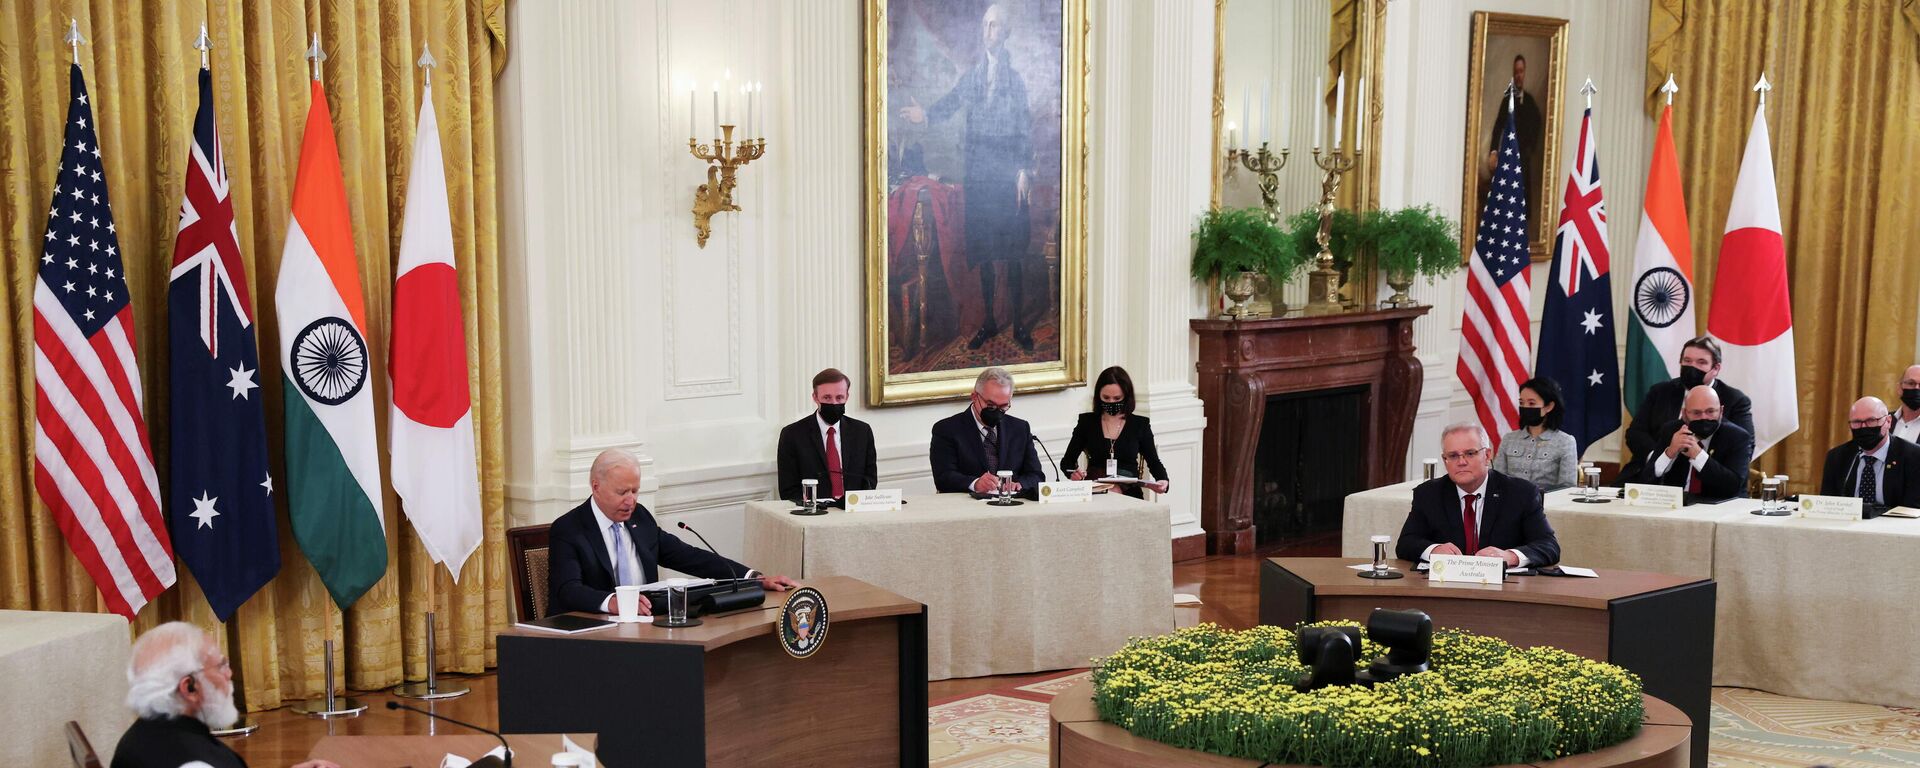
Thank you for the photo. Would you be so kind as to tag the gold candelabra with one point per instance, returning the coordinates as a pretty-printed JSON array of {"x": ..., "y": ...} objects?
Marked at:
[
  {"x": 724, "y": 157},
  {"x": 1323, "y": 283},
  {"x": 1267, "y": 165}
]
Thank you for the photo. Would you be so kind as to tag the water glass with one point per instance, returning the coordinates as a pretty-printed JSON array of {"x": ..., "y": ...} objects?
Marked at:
[
  {"x": 1380, "y": 552},
  {"x": 810, "y": 494},
  {"x": 1593, "y": 481},
  {"x": 677, "y": 601},
  {"x": 1769, "y": 494},
  {"x": 1580, "y": 477},
  {"x": 1006, "y": 483}
]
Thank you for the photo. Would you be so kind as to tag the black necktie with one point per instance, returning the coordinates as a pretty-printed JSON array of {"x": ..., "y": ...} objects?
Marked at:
[
  {"x": 993, "y": 447},
  {"x": 1869, "y": 485}
]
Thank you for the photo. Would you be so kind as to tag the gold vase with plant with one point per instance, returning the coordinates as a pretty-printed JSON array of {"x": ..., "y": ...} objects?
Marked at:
[
  {"x": 1232, "y": 247},
  {"x": 1409, "y": 243}
]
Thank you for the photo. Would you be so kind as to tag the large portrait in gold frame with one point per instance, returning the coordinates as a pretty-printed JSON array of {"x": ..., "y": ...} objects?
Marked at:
[
  {"x": 1531, "y": 51},
  {"x": 975, "y": 201}
]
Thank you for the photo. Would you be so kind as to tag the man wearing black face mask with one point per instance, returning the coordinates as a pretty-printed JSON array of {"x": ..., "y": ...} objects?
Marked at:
[
  {"x": 1906, "y": 423},
  {"x": 1699, "y": 365},
  {"x": 969, "y": 447},
  {"x": 1703, "y": 453},
  {"x": 1874, "y": 465},
  {"x": 828, "y": 446}
]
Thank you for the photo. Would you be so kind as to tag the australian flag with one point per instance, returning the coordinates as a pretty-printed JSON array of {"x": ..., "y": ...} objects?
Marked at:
[
  {"x": 221, "y": 495},
  {"x": 1576, "y": 333}
]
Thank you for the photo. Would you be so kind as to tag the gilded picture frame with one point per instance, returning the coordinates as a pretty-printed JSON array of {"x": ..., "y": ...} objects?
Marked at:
[
  {"x": 947, "y": 293},
  {"x": 1499, "y": 42}
]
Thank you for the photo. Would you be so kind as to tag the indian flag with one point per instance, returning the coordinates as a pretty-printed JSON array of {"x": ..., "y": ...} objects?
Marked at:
[
  {"x": 333, "y": 465},
  {"x": 435, "y": 469},
  {"x": 1662, "y": 318}
]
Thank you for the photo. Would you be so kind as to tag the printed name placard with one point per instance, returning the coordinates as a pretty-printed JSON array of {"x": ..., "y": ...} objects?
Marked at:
[
  {"x": 1655, "y": 496},
  {"x": 1467, "y": 569},
  {"x": 1066, "y": 491},
  {"x": 876, "y": 500},
  {"x": 1829, "y": 507}
]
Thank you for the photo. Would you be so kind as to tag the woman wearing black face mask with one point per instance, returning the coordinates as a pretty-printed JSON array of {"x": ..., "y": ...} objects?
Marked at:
[
  {"x": 1113, "y": 432},
  {"x": 1538, "y": 451}
]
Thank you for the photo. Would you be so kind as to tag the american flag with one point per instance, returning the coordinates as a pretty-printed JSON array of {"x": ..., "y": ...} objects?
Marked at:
[
  {"x": 93, "y": 466},
  {"x": 1494, "y": 345}
]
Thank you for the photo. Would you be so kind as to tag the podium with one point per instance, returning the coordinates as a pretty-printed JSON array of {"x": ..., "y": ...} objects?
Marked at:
[
  {"x": 1657, "y": 626},
  {"x": 725, "y": 694}
]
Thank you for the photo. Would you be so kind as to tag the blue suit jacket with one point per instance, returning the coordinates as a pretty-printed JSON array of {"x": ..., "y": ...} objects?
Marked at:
[
  {"x": 959, "y": 455},
  {"x": 580, "y": 575},
  {"x": 1511, "y": 517}
]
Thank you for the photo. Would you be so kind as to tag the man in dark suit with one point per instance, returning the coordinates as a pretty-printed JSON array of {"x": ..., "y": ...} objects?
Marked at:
[
  {"x": 1699, "y": 365},
  {"x": 602, "y": 544},
  {"x": 1475, "y": 510},
  {"x": 970, "y": 446},
  {"x": 828, "y": 446},
  {"x": 180, "y": 686},
  {"x": 1874, "y": 465},
  {"x": 1704, "y": 453}
]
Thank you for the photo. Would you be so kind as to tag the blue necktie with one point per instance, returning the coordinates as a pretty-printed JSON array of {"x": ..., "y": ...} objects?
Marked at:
[{"x": 621, "y": 576}]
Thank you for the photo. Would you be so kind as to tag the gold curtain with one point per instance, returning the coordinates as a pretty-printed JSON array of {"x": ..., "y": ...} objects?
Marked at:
[
  {"x": 140, "y": 68},
  {"x": 1846, "y": 137}
]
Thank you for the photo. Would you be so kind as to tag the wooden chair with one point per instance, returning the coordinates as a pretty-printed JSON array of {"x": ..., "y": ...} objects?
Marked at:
[
  {"x": 527, "y": 558},
  {"x": 79, "y": 749}
]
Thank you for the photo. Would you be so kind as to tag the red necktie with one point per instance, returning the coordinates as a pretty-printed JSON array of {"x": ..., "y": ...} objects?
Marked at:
[
  {"x": 833, "y": 466},
  {"x": 1473, "y": 524},
  {"x": 1693, "y": 480}
]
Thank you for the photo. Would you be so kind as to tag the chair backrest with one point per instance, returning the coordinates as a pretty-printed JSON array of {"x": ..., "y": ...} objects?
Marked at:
[
  {"x": 527, "y": 557},
  {"x": 79, "y": 749}
]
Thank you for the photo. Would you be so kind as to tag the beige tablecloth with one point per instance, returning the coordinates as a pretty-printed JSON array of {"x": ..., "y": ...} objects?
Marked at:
[
  {"x": 1008, "y": 589},
  {"x": 58, "y": 667},
  {"x": 1818, "y": 609},
  {"x": 1610, "y": 535}
]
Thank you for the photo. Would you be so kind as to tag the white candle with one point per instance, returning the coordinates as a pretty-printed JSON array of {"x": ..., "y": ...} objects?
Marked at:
[
  {"x": 1360, "y": 110},
  {"x": 716, "y": 109},
  {"x": 1246, "y": 99},
  {"x": 726, "y": 76},
  {"x": 690, "y": 110},
  {"x": 1339, "y": 109},
  {"x": 1231, "y": 146},
  {"x": 1318, "y": 112},
  {"x": 1266, "y": 113}
]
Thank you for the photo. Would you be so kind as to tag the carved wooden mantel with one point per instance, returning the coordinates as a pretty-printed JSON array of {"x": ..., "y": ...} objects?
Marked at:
[{"x": 1242, "y": 362}]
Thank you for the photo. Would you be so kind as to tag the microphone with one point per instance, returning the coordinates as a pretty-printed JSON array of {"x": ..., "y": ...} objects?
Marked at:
[
  {"x": 484, "y": 762},
  {"x": 703, "y": 540},
  {"x": 1056, "y": 465}
]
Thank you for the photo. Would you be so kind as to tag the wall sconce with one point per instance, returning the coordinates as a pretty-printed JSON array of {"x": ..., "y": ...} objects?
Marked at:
[{"x": 724, "y": 156}]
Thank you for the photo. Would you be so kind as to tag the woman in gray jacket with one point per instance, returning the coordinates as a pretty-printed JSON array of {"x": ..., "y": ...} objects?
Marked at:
[{"x": 1538, "y": 451}]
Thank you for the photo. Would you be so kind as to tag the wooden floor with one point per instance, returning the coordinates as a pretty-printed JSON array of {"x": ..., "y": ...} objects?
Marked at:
[{"x": 1227, "y": 586}]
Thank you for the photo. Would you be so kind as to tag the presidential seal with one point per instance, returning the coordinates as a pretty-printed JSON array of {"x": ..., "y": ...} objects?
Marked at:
[{"x": 803, "y": 623}]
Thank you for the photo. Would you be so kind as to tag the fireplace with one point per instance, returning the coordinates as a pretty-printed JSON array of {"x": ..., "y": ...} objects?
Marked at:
[
  {"x": 1347, "y": 384},
  {"x": 1309, "y": 458}
]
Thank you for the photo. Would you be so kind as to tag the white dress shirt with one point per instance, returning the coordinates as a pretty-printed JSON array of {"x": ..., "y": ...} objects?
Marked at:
[
  {"x": 1906, "y": 425},
  {"x": 615, "y": 553},
  {"x": 1479, "y": 519},
  {"x": 1662, "y": 463},
  {"x": 1879, "y": 471},
  {"x": 839, "y": 443}
]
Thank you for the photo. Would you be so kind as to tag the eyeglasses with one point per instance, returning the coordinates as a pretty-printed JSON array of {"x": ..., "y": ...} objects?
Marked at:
[
  {"x": 1458, "y": 456},
  {"x": 1873, "y": 422},
  {"x": 1703, "y": 413}
]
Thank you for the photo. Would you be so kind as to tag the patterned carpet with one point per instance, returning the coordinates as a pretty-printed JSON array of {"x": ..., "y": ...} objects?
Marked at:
[{"x": 1008, "y": 727}]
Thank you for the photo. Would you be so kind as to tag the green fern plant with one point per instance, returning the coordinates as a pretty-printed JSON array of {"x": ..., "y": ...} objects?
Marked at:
[
  {"x": 1344, "y": 239},
  {"x": 1230, "y": 241},
  {"x": 1417, "y": 241}
]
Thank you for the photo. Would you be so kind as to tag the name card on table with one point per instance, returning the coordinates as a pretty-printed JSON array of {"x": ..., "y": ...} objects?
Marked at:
[
  {"x": 1467, "y": 568},
  {"x": 1655, "y": 496},
  {"x": 1829, "y": 507},
  {"x": 1066, "y": 491},
  {"x": 876, "y": 500}
]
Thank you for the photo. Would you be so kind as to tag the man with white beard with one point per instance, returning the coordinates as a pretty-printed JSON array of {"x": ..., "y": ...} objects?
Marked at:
[{"x": 180, "y": 686}]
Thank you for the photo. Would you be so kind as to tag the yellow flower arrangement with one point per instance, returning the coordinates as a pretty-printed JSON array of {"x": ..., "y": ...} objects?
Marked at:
[{"x": 1483, "y": 702}]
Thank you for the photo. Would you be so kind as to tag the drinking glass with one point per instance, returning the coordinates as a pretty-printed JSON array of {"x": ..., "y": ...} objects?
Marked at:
[
  {"x": 810, "y": 494},
  {"x": 1769, "y": 494},
  {"x": 1593, "y": 481},
  {"x": 677, "y": 601},
  {"x": 1006, "y": 484}
]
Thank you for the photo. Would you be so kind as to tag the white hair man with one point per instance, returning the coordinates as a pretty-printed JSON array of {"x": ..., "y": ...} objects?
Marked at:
[
  {"x": 1476, "y": 510},
  {"x": 180, "y": 687},
  {"x": 603, "y": 543},
  {"x": 970, "y": 447}
]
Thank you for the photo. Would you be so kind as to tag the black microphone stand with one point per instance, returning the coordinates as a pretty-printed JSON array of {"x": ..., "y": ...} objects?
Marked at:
[
  {"x": 1056, "y": 464},
  {"x": 481, "y": 763}
]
